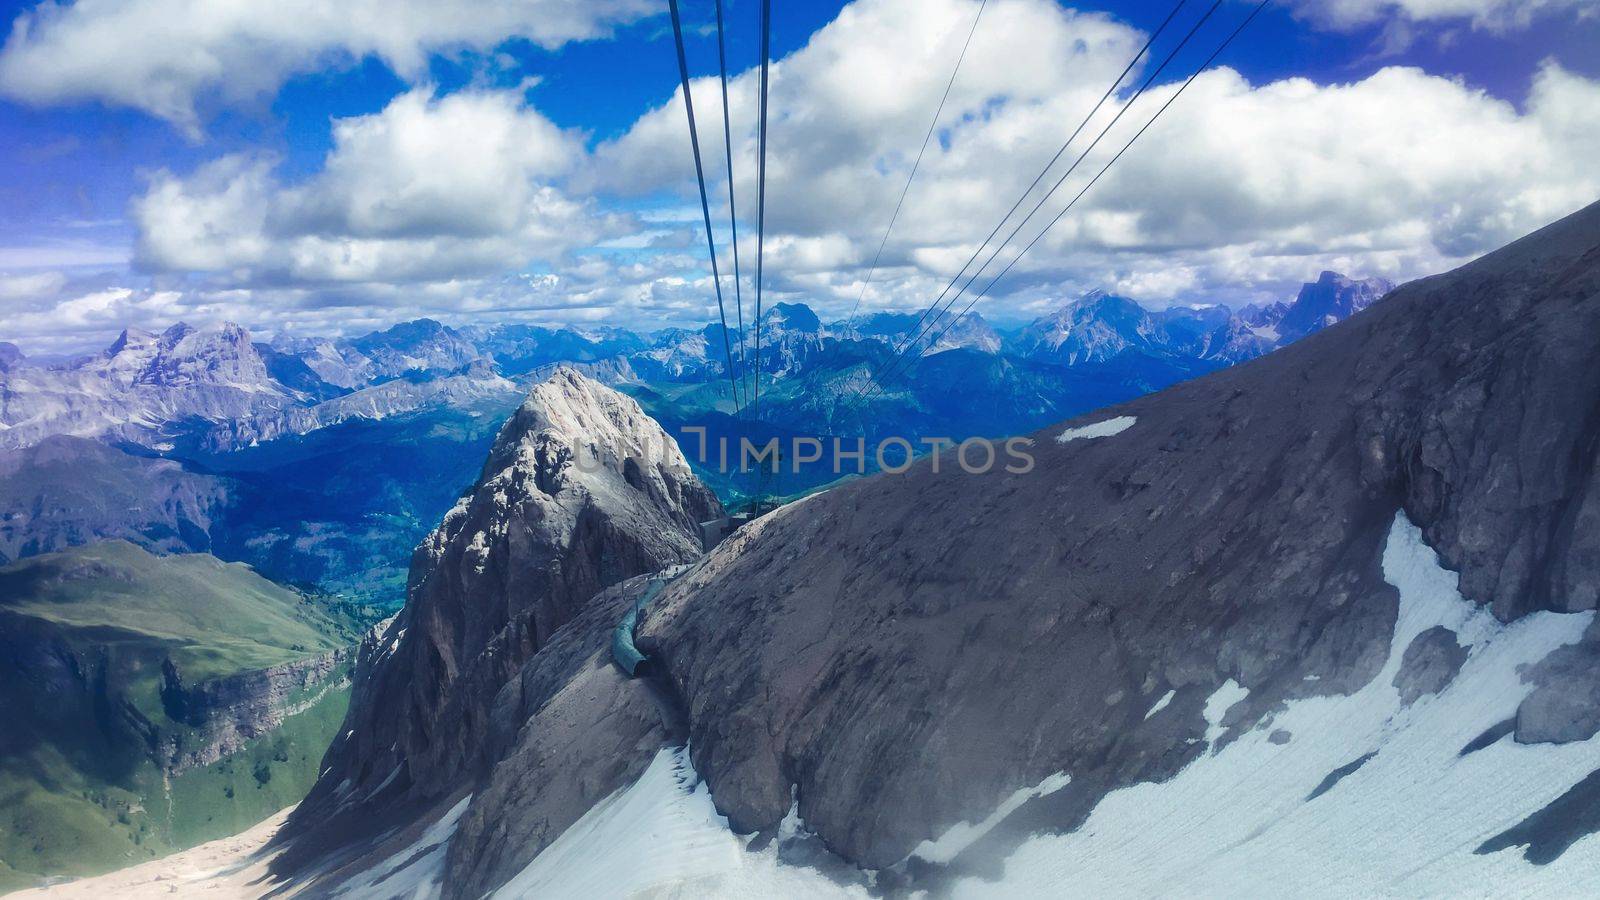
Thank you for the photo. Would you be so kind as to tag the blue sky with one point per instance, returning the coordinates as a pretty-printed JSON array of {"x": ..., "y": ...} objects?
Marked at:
[{"x": 159, "y": 167}]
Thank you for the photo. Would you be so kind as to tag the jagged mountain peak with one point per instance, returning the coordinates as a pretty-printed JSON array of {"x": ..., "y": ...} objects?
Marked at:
[
  {"x": 130, "y": 339},
  {"x": 581, "y": 490},
  {"x": 1332, "y": 298},
  {"x": 1094, "y": 327},
  {"x": 795, "y": 317},
  {"x": 569, "y": 405}
]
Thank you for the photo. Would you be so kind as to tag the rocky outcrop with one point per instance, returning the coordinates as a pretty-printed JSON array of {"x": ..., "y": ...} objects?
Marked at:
[
  {"x": 566, "y": 733},
  {"x": 1430, "y": 662},
  {"x": 226, "y": 714},
  {"x": 1564, "y": 705},
  {"x": 1330, "y": 299},
  {"x": 581, "y": 491}
]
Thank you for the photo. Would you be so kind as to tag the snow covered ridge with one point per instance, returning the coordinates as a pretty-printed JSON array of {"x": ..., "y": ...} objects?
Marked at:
[{"x": 1106, "y": 428}]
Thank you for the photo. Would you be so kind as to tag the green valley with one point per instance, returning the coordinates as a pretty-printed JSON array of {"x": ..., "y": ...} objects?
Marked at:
[{"x": 152, "y": 703}]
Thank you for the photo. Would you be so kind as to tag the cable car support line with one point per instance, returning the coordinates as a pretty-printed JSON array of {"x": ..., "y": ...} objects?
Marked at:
[
  {"x": 705, "y": 206},
  {"x": 1125, "y": 147}
]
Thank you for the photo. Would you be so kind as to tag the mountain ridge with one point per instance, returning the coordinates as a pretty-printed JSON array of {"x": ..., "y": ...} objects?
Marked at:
[
  {"x": 217, "y": 387},
  {"x": 882, "y": 661}
]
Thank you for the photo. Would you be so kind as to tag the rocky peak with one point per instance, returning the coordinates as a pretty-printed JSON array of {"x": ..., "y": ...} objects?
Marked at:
[
  {"x": 421, "y": 344},
  {"x": 178, "y": 332},
  {"x": 130, "y": 340},
  {"x": 1096, "y": 326},
  {"x": 10, "y": 356},
  {"x": 184, "y": 356},
  {"x": 1331, "y": 298},
  {"x": 581, "y": 490},
  {"x": 222, "y": 356},
  {"x": 791, "y": 317}
]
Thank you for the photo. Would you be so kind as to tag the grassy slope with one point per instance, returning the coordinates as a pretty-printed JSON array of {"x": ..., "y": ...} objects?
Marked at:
[
  {"x": 78, "y": 797},
  {"x": 215, "y": 618}
]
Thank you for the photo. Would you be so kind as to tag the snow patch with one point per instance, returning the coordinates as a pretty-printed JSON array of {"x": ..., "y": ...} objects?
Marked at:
[
  {"x": 1106, "y": 428},
  {"x": 416, "y": 872},
  {"x": 1217, "y": 705},
  {"x": 1161, "y": 704},
  {"x": 962, "y": 835},
  {"x": 1405, "y": 824},
  {"x": 662, "y": 837}
]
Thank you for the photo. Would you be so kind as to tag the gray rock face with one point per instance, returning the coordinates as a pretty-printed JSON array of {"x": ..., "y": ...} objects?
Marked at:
[
  {"x": 1565, "y": 705},
  {"x": 1331, "y": 298},
  {"x": 1094, "y": 328},
  {"x": 567, "y": 732},
  {"x": 904, "y": 651},
  {"x": 142, "y": 385},
  {"x": 66, "y": 491},
  {"x": 581, "y": 491},
  {"x": 419, "y": 345},
  {"x": 1429, "y": 663}
]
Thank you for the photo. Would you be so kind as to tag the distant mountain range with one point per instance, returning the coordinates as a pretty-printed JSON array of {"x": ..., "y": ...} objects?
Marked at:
[
  {"x": 218, "y": 389},
  {"x": 322, "y": 462}
]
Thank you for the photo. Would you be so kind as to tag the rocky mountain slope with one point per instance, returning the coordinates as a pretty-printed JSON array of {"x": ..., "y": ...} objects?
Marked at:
[
  {"x": 140, "y": 387},
  {"x": 65, "y": 491},
  {"x": 581, "y": 491},
  {"x": 1319, "y": 619},
  {"x": 1234, "y": 532}
]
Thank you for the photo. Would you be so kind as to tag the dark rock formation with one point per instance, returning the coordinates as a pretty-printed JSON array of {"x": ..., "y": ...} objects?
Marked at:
[
  {"x": 1432, "y": 660},
  {"x": 581, "y": 491},
  {"x": 568, "y": 731},
  {"x": 1565, "y": 705},
  {"x": 1331, "y": 298}
]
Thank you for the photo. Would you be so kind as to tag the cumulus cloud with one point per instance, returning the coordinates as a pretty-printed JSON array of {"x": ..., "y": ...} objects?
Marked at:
[
  {"x": 1240, "y": 192},
  {"x": 1494, "y": 15},
  {"x": 427, "y": 189},
  {"x": 166, "y": 57},
  {"x": 1240, "y": 185}
]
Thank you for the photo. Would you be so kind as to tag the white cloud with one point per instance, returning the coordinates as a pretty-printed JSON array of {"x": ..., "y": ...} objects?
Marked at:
[
  {"x": 1239, "y": 193},
  {"x": 1240, "y": 187},
  {"x": 168, "y": 57},
  {"x": 1494, "y": 15},
  {"x": 35, "y": 284},
  {"x": 428, "y": 189}
]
